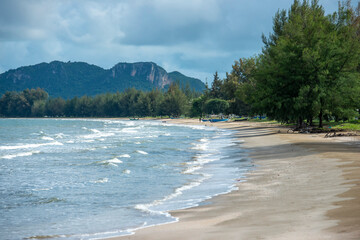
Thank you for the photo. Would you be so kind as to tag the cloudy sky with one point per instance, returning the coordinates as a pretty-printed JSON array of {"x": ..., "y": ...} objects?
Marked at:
[{"x": 195, "y": 37}]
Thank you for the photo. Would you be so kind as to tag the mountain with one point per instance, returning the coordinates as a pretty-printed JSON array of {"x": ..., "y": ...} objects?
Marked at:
[{"x": 72, "y": 79}]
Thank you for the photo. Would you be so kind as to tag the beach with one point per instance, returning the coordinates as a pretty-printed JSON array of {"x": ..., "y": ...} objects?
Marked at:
[{"x": 303, "y": 186}]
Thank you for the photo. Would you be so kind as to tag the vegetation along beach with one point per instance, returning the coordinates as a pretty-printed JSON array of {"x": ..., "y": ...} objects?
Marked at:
[{"x": 263, "y": 147}]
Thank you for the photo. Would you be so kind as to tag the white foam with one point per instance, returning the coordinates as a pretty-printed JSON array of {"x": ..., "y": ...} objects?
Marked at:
[
  {"x": 59, "y": 135},
  {"x": 179, "y": 191},
  {"x": 41, "y": 189},
  {"x": 98, "y": 134},
  {"x": 126, "y": 171},
  {"x": 47, "y": 138},
  {"x": 29, "y": 146},
  {"x": 23, "y": 154},
  {"x": 137, "y": 142},
  {"x": 129, "y": 130},
  {"x": 192, "y": 169},
  {"x": 125, "y": 156},
  {"x": 201, "y": 146},
  {"x": 141, "y": 152},
  {"x": 129, "y": 123},
  {"x": 101, "y": 180},
  {"x": 114, "y": 160}
]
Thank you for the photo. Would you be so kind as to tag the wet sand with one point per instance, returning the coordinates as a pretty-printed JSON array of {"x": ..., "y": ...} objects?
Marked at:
[{"x": 304, "y": 186}]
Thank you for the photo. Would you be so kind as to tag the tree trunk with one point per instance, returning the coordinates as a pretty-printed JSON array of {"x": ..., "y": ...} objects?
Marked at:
[
  {"x": 309, "y": 121},
  {"x": 300, "y": 122},
  {"x": 321, "y": 119}
]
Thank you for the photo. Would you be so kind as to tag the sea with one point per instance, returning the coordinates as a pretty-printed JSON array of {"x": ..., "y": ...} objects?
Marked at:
[{"x": 100, "y": 178}]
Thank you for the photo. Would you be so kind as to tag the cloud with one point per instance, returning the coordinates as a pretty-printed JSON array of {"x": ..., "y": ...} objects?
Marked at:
[{"x": 196, "y": 37}]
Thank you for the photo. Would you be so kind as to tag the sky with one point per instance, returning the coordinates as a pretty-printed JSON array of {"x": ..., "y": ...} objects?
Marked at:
[{"x": 195, "y": 37}]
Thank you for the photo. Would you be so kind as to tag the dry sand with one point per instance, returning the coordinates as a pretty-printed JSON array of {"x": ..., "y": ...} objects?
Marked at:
[{"x": 304, "y": 186}]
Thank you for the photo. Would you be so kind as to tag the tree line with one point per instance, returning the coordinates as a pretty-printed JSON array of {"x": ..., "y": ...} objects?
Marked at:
[
  {"x": 132, "y": 102},
  {"x": 309, "y": 69}
]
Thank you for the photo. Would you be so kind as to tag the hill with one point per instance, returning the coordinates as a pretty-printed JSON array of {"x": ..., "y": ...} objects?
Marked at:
[{"x": 72, "y": 79}]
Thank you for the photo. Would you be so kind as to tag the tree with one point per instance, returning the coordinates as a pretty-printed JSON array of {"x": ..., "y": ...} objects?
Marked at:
[
  {"x": 155, "y": 97},
  {"x": 307, "y": 62},
  {"x": 216, "y": 106},
  {"x": 38, "y": 109},
  {"x": 216, "y": 87},
  {"x": 55, "y": 107},
  {"x": 240, "y": 85},
  {"x": 198, "y": 106},
  {"x": 175, "y": 102}
]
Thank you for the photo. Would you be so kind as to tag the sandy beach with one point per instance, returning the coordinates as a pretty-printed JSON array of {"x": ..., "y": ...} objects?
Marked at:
[{"x": 304, "y": 186}]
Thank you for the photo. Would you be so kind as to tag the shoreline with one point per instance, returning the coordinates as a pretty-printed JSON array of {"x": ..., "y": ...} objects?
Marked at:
[{"x": 304, "y": 187}]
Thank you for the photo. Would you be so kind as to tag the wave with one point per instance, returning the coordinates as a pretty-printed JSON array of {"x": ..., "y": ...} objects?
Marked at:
[
  {"x": 95, "y": 130},
  {"x": 199, "y": 162},
  {"x": 59, "y": 135},
  {"x": 142, "y": 152},
  {"x": 22, "y": 154},
  {"x": 41, "y": 189},
  {"x": 178, "y": 191},
  {"x": 129, "y": 130},
  {"x": 201, "y": 146},
  {"x": 114, "y": 160},
  {"x": 30, "y": 145},
  {"x": 101, "y": 180},
  {"x": 97, "y": 134},
  {"x": 50, "y": 200},
  {"x": 47, "y": 138},
  {"x": 125, "y": 156}
]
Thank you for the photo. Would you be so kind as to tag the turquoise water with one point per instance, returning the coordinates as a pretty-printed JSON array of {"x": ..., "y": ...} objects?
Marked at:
[{"x": 88, "y": 179}]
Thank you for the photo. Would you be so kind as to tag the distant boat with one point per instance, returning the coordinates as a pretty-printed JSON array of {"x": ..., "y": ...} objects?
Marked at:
[
  {"x": 133, "y": 119},
  {"x": 219, "y": 120},
  {"x": 205, "y": 120}
]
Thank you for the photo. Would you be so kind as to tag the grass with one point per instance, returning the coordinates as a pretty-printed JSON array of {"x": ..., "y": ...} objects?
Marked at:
[{"x": 351, "y": 125}]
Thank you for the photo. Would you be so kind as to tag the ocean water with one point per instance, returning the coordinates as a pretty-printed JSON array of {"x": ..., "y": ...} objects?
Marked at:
[{"x": 91, "y": 179}]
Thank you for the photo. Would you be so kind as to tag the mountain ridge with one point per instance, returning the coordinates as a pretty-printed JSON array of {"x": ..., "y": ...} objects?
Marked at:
[{"x": 71, "y": 79}]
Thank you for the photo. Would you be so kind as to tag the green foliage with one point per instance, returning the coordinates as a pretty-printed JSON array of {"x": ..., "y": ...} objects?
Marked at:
[
  {"x": 198, "y": 106},
  {"x": 216, "y": 106},
  {"x": 14, "y": 104},
  {"x": 132, "y": 102},
  {"x": 308, "y": 66},
  {"x": 216, "y": 87},
  {"x": 175, "y": 102},
  {"x": 309, "y": 69}
]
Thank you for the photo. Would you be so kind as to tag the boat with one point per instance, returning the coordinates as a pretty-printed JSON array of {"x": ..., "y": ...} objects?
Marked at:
[
  {"x": 134, "y": 119},
  {"x": 205, "y": 120},
  {"x": 219, "y": 120}
]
